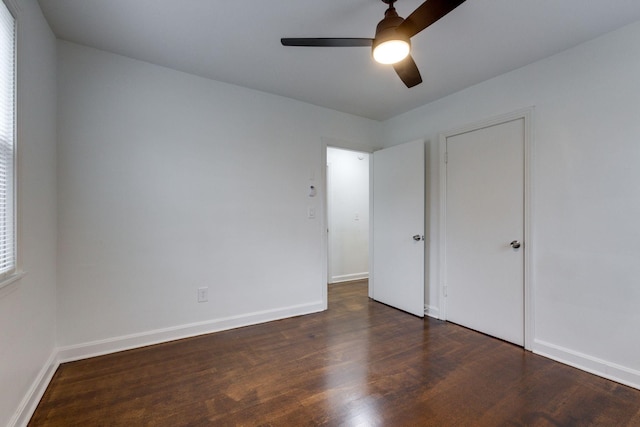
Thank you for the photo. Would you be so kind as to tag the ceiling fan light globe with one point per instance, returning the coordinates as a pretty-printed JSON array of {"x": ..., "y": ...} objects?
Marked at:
[{"x": 391, "y": 51}]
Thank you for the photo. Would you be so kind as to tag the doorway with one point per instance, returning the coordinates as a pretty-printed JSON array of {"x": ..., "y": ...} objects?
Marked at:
[
  {"x": 347, "y": 215},
  {"x": 485, "y": 243},
  {"x": 395, "y": 189}
]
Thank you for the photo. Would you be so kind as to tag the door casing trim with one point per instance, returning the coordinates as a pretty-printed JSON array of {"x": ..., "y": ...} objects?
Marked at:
[
  {"x": 527, "y": 114},
  {"x": 326, "y": 142}
]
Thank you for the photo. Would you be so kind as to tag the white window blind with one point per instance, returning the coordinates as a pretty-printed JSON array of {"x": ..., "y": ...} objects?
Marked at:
[{"x": 7, "y": 142}]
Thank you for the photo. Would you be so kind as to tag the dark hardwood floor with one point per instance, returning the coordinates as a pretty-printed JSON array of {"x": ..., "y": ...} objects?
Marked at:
[{"x": 360, "y": 363}]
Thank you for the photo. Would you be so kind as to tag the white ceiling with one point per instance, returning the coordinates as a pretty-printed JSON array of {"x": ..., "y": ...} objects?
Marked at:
[{"x": 238, "y": 42}]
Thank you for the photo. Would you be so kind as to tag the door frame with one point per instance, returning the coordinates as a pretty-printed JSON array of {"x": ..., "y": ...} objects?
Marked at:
[
  {"x": 527, "y": 116},
  {"x": 324, "y": 217}
]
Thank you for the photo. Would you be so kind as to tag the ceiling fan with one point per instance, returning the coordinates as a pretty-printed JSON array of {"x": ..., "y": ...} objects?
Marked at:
[{"x": 392, "y": 42}]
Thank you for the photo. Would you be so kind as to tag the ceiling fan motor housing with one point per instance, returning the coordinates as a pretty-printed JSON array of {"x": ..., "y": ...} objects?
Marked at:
[{"x": 386, "y": 29}]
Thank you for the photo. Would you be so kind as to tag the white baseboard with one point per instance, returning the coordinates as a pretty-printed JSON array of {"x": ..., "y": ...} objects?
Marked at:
[
  {"x": 349, "y": 277},
  {"x": 603, "y": 368},
  {"x": 432, "y": 311},
  {"x": 593, "y": 365},
  {"x": 34, "y": 394},
  {"x": 127, "y": 342},
  {"x": 112, "y": 345}
]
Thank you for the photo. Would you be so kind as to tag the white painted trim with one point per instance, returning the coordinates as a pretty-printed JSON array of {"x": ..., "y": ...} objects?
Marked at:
[
  {"x": 350, "y": 277},
  {"x": 529, "y": 174},
  {"x": 372, "y": 281},
  {"x": 127, "y": 342},
  {"x": 324, "y": 226},
  {"x": 7, "y": 281},
  {"x": 32, "y": 398},
  {"x": 442, "y": 229},
  {"x": 432, "y": 311},
  {"x": 343, "y": 145},
  {"x": 27, "y": 407},
  {"x": 112, "y": 345},
  {"x": 593, "y": 365},
  {"x": 328, "y": 207},
  {"x": 527, "y": 115}
]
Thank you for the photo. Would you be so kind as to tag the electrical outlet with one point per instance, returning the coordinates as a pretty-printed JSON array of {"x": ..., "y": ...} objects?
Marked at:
[{"x": 203, "y": 294}]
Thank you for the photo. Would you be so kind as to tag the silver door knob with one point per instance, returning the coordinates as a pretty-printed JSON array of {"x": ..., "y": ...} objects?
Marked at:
[
  {"x": 515, "y": 244},
  {"x": 418, "y": 237}
]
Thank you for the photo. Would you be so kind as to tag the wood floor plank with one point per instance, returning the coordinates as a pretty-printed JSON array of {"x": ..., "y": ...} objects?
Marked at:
[{"x": 360, "y": 363}]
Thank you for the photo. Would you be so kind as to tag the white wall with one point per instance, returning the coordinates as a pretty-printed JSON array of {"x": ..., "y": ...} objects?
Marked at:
[
  {"x": 169, "y": 182},
  {"x": 348, "y": 212},
  {"x": 27, "y": 307},
  {"x": 586, "y": 202}
]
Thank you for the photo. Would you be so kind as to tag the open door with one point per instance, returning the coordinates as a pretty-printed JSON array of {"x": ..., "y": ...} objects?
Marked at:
[{"x": 397, "y": 255}]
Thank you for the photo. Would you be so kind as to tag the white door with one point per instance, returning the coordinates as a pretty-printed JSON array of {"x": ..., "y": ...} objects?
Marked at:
[
  {"x": 397, "y": 268},
  {"x": 484, "y": 249}
]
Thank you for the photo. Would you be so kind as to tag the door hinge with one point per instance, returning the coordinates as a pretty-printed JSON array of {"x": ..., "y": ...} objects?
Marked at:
[
  {"x": 444, "y": 290},
  {"x": 446, "y": 157}
]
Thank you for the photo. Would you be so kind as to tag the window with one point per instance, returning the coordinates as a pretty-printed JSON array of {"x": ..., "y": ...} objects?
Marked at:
[{"x": 7, "y": 143}]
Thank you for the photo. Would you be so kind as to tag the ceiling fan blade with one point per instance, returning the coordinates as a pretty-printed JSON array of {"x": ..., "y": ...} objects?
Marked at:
[
  {"x": 408, "y": 71},
  {"x": 327, "y": 42},
  {"x": 426, "y": 14}
]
